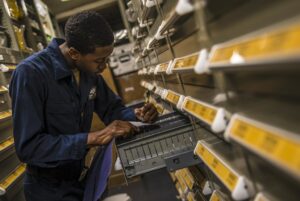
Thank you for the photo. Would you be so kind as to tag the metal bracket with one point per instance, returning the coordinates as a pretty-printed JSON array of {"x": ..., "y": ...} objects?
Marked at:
[{"x": 181, "y": 160}]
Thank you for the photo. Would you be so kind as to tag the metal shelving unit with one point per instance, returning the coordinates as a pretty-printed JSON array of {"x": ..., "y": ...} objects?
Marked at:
[
  {"x": 11, "y": 169},
  {"x": 234, "y": 64},
  {"x": 8, "y": 158},
  {"x": 227, "y": 167},
  {"x": 23, "y": 27}
]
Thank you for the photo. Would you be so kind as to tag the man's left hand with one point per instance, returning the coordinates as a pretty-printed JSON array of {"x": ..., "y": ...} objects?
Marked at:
[{"x": 148, "y": 113}]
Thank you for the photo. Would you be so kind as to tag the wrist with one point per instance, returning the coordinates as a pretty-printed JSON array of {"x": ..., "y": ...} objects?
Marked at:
[
  {"x": 91, "y": 139},
  {"x": 98, "y": 137}
]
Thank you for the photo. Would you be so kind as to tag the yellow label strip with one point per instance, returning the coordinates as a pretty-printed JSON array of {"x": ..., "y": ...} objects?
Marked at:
[
  {"x": 173, "y": 97},
  {"x": 7, "y": 143},
  {"x": 172, "y": 174},
  {"x": 3, "y": 89},
  {"x": 5, "y": 114},
  {"x": 163, "y": 67},
  {"x": 11, "y": 67},
  {"x": 216, "y": 196},
  {"x": 180, "y": 180},
  {"x": 274, "y": 144},
  {"x": 188, "y": 178},
  {"x": 186, "y": 62},
  {"x": 190, "y": 196},
  {"x": 280, "y": 42},
  {"x": 200, "y": 110},
  {"x": 160, "y": 109},
  {"x": 226, "y": 175},
  {"x": 4, "y": 184},
  {"x": 177, "y": 185}
]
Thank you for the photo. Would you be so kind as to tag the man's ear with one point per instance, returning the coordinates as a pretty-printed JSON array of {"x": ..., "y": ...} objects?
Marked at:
[{"x": 74, "y": 54}]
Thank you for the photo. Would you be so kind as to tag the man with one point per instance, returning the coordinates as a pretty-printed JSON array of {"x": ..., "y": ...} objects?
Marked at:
[{"x": 54, "y": 94}]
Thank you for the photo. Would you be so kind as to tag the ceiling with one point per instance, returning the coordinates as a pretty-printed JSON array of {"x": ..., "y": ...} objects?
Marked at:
[
  {"x": 108, "y": 8},
  {"x": 57, "y": 6}
]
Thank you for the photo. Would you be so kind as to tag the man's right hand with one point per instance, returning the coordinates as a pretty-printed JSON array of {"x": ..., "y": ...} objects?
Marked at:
[{"x": 115, "y": 129}]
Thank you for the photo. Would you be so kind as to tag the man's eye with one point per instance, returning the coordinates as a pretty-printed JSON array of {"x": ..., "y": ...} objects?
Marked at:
[
  {"x": 99, "y": 62},
  {"x": 102, "y": 61}
]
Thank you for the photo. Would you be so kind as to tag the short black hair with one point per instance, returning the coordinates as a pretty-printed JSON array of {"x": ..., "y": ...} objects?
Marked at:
[{"x": 87, "y": 30}]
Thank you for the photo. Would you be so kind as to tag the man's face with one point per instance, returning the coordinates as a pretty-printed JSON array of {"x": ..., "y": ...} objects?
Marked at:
[{"x": 95, "y": 62}]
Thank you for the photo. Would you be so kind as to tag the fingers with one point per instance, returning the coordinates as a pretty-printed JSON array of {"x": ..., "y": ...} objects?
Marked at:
[
  {"x": 146, "y": 112},
  {"x": 121, "y": 132},
  {"x": 106, "y": 139},
  {"x": 150, "y": 114},
  {"x": 153, "y": 117},
  {"x": 122, "y": 128},
  {"x": 146, "y": 108},
  {"x": 115, "y": 129},
  {"x": 126, "y": 125},
  {"x": 102, "y": 138},
  {"x": 138, "y": 111}
]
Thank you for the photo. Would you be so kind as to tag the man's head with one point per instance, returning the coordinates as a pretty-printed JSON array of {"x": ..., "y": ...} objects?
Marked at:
[{"x": 90, "y": 41}]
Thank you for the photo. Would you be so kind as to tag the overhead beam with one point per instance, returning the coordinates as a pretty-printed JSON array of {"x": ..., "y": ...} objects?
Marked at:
[
  {"x": 91, "y": 6},
  {"x": 124, "y": 18}
]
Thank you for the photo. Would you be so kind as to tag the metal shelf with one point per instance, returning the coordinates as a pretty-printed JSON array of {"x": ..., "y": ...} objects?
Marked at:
[
  {"x": 251, "y": 79},
  {"x": 10, "y": 181},
  {"x": 6, "y": 22},
  {"x": 10, "y": 58},
  {"x": 266, "y": 109},
  {"x": 159, "y": 91},
  {"x": 190, "y": 196},
  {"x": 154, "y": 42},
  {"x": 193, "y": 62},
  {"x": 6, "y": 131},
  {"x": 181, "y": 180},
  {"x": 3, "y": 90},
  {"x": 209, "y": 114},
  {"x": 151, "y": 70},
  {"x": 163, "y": 68},
  {"x": 9, "y": 162},
  {"x": 183, "y": 7},
  {"x": 11, "y": 67},
  {"x": 148, "y": 9},
  {"x": 272, "y": 45},
  {"x": 174, "y": 98},
  {"x": 6, "y": 144},
  {"x": 187, "y": 177},
  {"x": 179, "y": 189},
  {"x": 226, "y": 166},
  {"x": 6, "y": 148},
  {"x": 218, "y": 196},
  {"x": 278, "y": 146},
  {"x": 5, "y": 115},
  {"x": 148, "y": 85}
]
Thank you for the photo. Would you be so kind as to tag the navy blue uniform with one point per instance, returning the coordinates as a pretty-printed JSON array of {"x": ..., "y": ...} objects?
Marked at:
[{"x": 52, "y": 117}]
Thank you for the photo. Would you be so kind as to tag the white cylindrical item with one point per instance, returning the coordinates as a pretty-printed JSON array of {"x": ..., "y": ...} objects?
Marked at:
[
  {"x": 184, "y": 7},
  {"x": 201, "y": 65}
]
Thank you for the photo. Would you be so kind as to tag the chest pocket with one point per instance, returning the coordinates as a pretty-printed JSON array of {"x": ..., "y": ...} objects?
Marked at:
[{"x": 61, "y": 118}]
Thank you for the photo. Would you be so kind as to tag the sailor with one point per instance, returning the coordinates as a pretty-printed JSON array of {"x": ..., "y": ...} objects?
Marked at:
[{"x": 54, "y": 94}]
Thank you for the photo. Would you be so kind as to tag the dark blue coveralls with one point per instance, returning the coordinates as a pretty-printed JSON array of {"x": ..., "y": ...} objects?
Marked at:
[{"x": 52, "y": 118}]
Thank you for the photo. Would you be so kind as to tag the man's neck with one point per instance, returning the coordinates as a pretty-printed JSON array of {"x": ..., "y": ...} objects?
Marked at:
[{"x": 64, "y": 50}]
